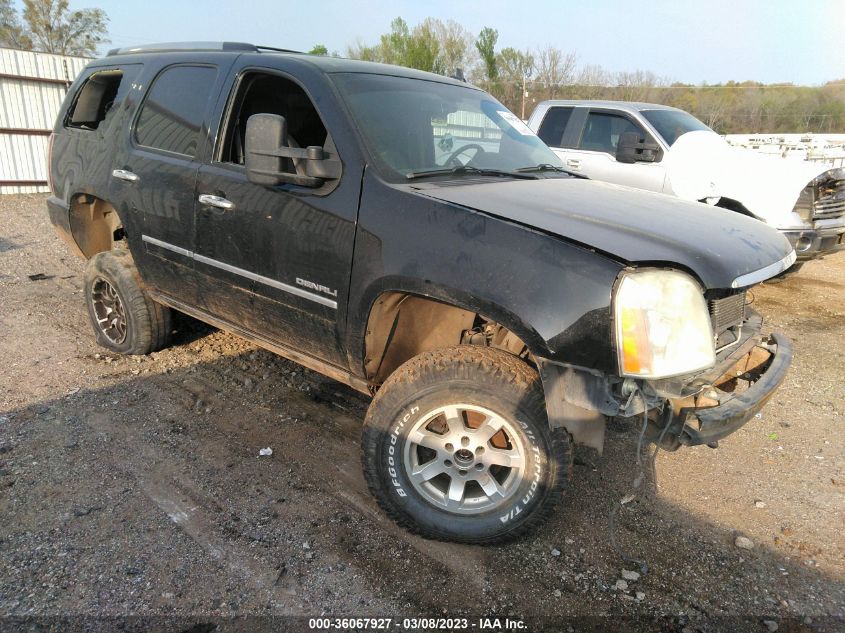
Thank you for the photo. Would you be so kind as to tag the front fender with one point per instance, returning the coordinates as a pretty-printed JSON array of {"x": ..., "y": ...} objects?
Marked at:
[{"x": 553, "y": 294}]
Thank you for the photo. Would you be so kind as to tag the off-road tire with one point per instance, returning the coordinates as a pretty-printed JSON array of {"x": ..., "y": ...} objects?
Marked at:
[
  {"x": 147, "y": 323},
  {"x": 488, "y": 378}
]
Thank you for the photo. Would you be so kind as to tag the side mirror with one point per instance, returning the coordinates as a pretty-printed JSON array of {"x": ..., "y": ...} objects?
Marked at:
[
  {"x": 266, "y": 146},
  {"x": 264, "y": 134},
  {"x": 631, "y": 150}
]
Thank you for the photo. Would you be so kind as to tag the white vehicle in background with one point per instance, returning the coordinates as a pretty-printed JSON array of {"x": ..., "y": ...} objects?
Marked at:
[{"x": 658, "y": 148}]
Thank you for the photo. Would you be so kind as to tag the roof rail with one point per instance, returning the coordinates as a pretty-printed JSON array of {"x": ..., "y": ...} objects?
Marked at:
[
  {"x": 193, "y": 46},
  {"x": 276, "y": 50}
]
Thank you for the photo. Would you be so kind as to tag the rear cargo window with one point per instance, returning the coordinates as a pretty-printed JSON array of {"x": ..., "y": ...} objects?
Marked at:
[
  {"x": 175, "y": 108},
  {"x": 96, "y": 100}
]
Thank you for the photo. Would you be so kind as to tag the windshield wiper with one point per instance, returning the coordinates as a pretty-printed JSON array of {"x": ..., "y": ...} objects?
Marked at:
[
  {"x": 468, "y": 169},
  {"x": 550, "y": 167}
]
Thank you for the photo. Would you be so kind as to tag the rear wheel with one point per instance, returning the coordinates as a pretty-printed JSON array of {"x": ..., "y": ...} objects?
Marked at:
[
  {"x": 457, "y": 447},
  {"x": 124, "y": 317}
]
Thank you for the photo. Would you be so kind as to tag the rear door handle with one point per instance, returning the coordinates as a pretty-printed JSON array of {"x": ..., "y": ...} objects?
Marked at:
[
  {"x": 574, "y": 163},
  {"x": 128, "y": 176},
  {"x": 216, "y": 201}
]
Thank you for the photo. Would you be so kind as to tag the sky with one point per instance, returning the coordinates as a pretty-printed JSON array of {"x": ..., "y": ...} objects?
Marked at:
[{"x": 798, "y": 41}]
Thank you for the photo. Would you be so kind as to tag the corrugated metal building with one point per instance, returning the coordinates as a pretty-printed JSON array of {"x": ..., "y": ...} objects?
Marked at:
[{"x": 32, "y": 87}]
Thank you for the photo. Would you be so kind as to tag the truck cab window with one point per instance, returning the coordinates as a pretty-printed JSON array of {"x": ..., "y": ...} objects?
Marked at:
[
  {"x": 259, "y": 93},
  {"x": 602, "y": 132},
  {"x": 554, "y": 125}
]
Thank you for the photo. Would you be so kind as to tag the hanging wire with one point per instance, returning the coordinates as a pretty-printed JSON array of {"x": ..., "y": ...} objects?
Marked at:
[{"x": 638, "y": 480}]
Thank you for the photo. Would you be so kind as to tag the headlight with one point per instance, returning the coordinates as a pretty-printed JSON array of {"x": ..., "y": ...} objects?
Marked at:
[{"x": 662, "y": 325}]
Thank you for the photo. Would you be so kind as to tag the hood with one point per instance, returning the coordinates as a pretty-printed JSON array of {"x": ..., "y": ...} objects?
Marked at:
[
  {"x": 628, "y": 224},
  {"x": 701, "y": 165}
]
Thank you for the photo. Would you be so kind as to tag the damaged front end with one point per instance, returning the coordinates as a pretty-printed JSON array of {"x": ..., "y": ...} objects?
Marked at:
[
  {"x": 821, "y": 207},
  {"x": 727, "y": 396},
  {"x": 688, "y": 409}
]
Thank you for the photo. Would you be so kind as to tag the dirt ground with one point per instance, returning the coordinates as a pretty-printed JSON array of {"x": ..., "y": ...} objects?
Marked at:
[{"x": 132, "y": 486}]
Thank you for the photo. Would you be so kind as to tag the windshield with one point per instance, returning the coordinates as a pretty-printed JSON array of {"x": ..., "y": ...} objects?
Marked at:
[
  {"x": 672, "y": 124},
  {"x": 413, "y": 125}
]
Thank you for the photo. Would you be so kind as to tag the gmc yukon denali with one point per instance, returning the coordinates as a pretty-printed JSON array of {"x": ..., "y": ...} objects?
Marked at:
[
  {"x": 658, "y": 148},
  {"x": 405, "y": 234}
]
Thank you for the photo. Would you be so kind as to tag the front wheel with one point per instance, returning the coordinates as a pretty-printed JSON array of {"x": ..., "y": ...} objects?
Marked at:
[{"x": 457, "y": 446}]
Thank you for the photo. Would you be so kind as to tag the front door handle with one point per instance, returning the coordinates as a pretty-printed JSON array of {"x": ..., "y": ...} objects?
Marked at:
[
  {"x": 128, "y": 176},
  {"x": 216, "y": 201},
  {"x": 574, "y": 163}
]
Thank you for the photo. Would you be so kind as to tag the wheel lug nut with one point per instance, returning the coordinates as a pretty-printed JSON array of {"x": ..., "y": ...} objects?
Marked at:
[
  {"x": 448, "y": 463},
  {"x": 479, "y": 450},
  {"x": 450, "y": 446},
  {"x": 462, "y": 472},
  {"x": 479, "y": 466},
  {"x": 464, "y": 441}
]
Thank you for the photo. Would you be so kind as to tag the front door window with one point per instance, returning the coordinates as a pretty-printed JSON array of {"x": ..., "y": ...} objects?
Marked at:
[{"x": 602, "y": 132}]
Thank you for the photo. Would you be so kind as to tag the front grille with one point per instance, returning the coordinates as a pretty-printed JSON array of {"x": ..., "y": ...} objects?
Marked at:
[
  {"x": 727, "y": 312},
  {"x": 830, "y": 200},
  {"x": 726, "y": 316}
]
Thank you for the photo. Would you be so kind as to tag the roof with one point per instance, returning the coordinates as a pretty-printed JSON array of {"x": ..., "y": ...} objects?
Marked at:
[
  {"x": 343, "y": 65},
  {"x": 630, "y": 106},
  {"x": 171, "y": 47},
  {"x": 324, "y": 63}
]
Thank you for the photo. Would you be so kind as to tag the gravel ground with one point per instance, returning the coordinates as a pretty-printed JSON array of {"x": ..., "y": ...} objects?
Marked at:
[{"x": 132, "y": 486}]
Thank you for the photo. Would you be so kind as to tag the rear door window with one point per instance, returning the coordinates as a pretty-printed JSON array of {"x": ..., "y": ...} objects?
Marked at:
[
  {"x": 554, "y": 125},
  {"x": 172, "y": 115}
]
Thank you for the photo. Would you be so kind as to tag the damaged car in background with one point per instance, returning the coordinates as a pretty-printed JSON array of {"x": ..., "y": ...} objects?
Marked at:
[
  {"x": 405, "y": 234},
  {"x": 664, "y": 149}
]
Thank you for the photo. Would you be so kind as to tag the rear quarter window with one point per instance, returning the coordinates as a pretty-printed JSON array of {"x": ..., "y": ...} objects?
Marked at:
[
  {"x": 171, "y": 116},
  {"x": 99, "y": 98}
]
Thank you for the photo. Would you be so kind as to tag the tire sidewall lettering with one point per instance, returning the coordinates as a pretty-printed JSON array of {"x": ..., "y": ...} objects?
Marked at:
[
  {"x": 395, "y": 436},
  {"x": 536, "y": 472}
]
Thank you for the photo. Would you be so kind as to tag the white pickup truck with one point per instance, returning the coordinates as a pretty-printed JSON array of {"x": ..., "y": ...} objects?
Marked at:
[{"x": 658, "y": 148}]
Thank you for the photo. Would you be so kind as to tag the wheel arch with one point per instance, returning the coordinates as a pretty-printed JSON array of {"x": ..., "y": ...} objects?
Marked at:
[
  {"x": 406, "y": 317},
  {"x": 95, "y": 225}
]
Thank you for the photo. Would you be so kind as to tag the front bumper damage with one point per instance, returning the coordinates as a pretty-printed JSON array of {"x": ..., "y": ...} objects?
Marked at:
[
  {"x": 746, "y": 381},
  {"x": 685, "y": 411}
]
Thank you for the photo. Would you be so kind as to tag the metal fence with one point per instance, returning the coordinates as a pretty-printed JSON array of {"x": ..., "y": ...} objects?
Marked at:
[{"x": 32, "y": 87}]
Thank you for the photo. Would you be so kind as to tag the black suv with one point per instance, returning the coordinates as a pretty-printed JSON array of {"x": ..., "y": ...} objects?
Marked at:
[{"x": 405, "y": 234}]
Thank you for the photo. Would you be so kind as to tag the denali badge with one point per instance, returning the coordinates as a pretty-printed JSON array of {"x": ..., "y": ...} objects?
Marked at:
[{"x": 318, "y": 287}]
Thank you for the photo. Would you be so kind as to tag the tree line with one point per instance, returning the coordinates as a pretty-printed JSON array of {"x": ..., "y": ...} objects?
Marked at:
[
  {"x": 522, "y": 78},
  {"x": 49, "y": 26},
  {"x": 519, "y": 78}
]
